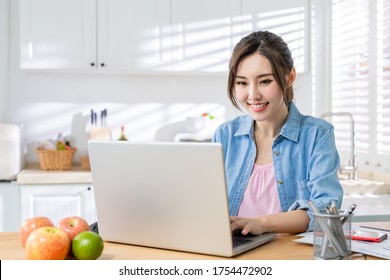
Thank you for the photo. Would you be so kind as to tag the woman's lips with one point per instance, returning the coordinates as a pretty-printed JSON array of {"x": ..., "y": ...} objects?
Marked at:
[{"x": 258, "y": 106}]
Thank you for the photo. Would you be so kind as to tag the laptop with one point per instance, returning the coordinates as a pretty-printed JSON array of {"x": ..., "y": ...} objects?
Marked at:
[{"x": 169, "y": 195}]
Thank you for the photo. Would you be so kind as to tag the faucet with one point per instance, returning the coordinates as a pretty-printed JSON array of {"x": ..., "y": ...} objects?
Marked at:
[{"x": 351, "y": 168}]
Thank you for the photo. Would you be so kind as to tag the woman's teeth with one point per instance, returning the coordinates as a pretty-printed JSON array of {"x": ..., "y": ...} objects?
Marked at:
[{"x": 259, "y": 106}]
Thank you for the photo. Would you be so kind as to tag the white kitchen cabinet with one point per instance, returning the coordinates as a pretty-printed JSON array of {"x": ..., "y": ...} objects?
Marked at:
[
  {"x": 128, "y": 36},
  {"x": 153, "y": 35},
  {"x": 95, "y": 34},
  {"x": 58, "y": 201},
  {"x": 134, "y": 35},
  {"x": 58, "y": 34},
  {"x": 9, "y": 207}
]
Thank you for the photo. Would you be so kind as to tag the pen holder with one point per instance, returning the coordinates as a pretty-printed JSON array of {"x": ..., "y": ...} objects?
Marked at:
[{"x": 331, "y": 236}]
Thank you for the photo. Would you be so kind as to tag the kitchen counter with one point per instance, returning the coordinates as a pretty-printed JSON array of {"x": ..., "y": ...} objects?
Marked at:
[
  {"x": 282, "y": 248},
  {"x": 34, "y": 175}
]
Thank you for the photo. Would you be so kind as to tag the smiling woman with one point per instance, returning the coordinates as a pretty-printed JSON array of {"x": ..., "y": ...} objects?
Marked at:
[{"x": 276, "y": 159}]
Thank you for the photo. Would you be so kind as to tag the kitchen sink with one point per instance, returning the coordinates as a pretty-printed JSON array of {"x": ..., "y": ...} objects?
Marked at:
[
  {"x": 364, "y": 186},
  {"x": 371, "y": 197}
]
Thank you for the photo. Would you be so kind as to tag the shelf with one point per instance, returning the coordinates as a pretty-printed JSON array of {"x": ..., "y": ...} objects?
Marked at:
[{"x": 34, "y": 175}]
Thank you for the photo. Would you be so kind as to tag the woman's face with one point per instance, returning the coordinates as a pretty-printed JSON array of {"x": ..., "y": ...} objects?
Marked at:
[{"x": 256, "y": 89}]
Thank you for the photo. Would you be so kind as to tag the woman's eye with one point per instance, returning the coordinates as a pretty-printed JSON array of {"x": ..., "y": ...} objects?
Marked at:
[
  {"x": 265, "y": 82},
  {"x": 240, "y": 83}
]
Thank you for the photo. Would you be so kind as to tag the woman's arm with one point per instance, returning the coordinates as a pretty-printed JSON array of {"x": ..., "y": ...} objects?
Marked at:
[{"x": 295, "y": 221}]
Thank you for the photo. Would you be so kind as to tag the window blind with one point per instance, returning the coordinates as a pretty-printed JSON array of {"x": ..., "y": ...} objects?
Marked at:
[
  {"x": 350, "y": 73},
  {"x": 360, "y": 78},
  {"x": 383, "y": 77}
]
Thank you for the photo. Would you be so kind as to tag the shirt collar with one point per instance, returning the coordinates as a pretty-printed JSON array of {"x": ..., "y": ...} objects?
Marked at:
[{"x": 290, "y": 129}]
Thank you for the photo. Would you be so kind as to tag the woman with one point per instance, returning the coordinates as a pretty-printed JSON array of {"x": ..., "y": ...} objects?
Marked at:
[{"x": 276, "y": 159}]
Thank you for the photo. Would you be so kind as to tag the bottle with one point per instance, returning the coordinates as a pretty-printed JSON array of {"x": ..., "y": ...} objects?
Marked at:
[{"x": 123, "y": 136}]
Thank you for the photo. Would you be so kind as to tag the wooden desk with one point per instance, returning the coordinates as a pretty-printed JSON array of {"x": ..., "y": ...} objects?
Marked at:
[{"x": 281, "y": 248}]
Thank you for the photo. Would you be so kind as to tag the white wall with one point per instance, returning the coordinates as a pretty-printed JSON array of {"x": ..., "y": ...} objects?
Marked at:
[
  {"x": 4, "y": 41},
  {"x": 47, "y": 103}
]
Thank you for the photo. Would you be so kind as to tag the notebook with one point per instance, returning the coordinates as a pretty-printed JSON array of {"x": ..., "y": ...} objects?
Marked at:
[{"x": 169, "y": 195}]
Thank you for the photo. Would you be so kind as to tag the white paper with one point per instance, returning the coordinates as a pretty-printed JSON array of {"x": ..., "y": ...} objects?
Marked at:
[{"x": 377, "y": 249}]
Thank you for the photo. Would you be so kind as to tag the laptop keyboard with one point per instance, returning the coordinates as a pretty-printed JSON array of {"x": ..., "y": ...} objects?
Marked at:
[{"x": 239, "y": 239}]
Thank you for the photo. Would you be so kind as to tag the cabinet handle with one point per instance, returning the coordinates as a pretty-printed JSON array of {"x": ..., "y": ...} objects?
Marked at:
[
  {"x": 102, "y": 64},
  {"x": 92, "y": 64}
]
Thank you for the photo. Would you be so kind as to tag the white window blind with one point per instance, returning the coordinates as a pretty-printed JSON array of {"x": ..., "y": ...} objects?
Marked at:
[
  {"x": 360, "y": 78},
  {"x": 350, "y": 73},
  {"x": 383, "y": 77}
]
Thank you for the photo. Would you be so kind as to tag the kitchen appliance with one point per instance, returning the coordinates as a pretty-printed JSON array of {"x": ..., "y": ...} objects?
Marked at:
[{"x": 11, "y": 151}]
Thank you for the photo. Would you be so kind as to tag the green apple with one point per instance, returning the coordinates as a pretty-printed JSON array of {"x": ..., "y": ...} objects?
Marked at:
[{"x": 87, "y": 245}]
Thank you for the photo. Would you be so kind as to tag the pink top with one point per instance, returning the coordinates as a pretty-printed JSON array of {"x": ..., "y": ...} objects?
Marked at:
[{"x": 261, "y": 195}]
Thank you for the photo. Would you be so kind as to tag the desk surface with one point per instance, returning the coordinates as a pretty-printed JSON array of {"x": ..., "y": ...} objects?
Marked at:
[{"x": 281, "y": 248}]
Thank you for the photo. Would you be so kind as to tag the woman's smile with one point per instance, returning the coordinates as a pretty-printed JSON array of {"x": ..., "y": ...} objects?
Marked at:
[{"x": 258, "y": 107}]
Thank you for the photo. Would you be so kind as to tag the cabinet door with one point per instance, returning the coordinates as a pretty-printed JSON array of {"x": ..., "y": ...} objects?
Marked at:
[
  {"x": 134, "y": 35},
  {"x": 58, "y": 201},
  {"x": 58, "y": 34},
  {"x": 9, "y": 207},
  {"x": 203, "y": 34}
]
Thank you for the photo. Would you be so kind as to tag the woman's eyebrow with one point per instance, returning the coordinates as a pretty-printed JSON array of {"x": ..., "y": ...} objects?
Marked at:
[{"x": 259, "y": 76}]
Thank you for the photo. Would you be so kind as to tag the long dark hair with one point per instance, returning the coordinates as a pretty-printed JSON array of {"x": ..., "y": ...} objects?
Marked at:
[{"x": 274, "y": 49}]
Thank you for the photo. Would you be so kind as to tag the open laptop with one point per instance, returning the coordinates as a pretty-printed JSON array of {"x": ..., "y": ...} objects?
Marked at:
[{"x": 169, "y": 195}]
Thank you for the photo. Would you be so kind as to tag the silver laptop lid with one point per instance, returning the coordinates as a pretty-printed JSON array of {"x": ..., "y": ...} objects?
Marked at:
[{"x": 165, "y": 195}]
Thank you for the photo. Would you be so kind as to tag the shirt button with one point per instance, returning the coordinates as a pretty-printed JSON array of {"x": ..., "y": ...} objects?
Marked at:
[
  {"x": 280, "y": 182},
  {"x": 276, "y": 153}
]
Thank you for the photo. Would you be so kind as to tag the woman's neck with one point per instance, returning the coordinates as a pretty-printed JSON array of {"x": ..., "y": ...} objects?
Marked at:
[{"x": 271, "y": 128}]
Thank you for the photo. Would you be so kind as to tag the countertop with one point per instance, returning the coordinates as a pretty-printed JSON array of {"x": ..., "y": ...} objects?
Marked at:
[
  {"x": 32, "y": 174},
  {"x": 282, "y": 248}
]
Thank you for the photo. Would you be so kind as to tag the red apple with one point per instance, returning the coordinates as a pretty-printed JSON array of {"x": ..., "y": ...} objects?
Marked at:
[
  {"x": 73, "y": 226},
  {"x": 32, "y": 224},
  {"x": 47, "y": 243}
]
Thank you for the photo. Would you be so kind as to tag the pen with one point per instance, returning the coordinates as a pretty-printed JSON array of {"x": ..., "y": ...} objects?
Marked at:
[
  {"x": 350, "y": 209},
  {"x": 348, "y": 212},
  {"x": 337, "y": 224},
  {"x": 381, "y": 229}
]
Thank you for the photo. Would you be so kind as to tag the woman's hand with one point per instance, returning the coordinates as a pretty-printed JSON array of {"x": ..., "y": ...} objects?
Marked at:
[
  {"x": 246, "y": 225},
  {"x": 293, "y": 222}
]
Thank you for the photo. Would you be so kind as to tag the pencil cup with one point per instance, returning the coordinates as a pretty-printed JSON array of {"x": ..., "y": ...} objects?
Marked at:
[{"x": 331, "y": 236}]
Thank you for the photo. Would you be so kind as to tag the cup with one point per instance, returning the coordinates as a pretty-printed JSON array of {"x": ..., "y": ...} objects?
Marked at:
[{"x": 331, "y": 236}]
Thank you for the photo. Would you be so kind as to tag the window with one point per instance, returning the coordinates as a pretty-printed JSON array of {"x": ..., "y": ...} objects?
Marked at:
[
  {"x": 360, "y": 79},
  {"x": 383, "y": 77}
]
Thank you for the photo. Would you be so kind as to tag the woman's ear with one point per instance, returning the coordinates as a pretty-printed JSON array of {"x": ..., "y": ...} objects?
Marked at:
[{"x": 291, "y": 77}]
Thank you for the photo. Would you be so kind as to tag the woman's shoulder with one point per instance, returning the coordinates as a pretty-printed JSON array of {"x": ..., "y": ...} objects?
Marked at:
[
  {"x": 315, "y": 126},
  {"x": 298, "y": 123},
  {"x": 309, "y": 121},
  {"x": 236, "y": 123},
  {"x": 239, "y": 125}
]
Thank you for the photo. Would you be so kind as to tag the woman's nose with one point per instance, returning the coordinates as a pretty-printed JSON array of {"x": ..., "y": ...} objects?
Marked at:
[{"x": 253, "y": 91}]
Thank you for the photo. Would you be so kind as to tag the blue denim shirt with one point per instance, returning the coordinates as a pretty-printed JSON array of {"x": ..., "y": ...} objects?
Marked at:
[{"x": 305, "y": 159}]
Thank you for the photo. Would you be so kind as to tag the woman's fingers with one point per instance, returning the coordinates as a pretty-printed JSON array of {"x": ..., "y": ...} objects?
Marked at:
[
  {"x": 245, "y": 225},
  {"x": 240, "y": 224}
]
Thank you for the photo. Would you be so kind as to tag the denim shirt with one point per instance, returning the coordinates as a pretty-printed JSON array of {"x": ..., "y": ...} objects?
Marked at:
[{"x": 305, "y": 159}]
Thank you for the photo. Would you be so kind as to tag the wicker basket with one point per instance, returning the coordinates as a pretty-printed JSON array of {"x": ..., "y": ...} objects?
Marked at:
[
  {"x": 56, "y": 159},
  {"x": 85, "y": 163}
]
